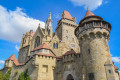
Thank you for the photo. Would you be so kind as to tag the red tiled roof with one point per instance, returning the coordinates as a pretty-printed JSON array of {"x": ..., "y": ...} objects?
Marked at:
[
  {"x": 116, "y": 68},
  {"x": 43, "y": 46},
  {"x": 89, "y": 13},
  {"x": 43, "y": 54},
  {"x": 67, "y": 15},
  {"x": 14, "y": 59},
  {"x": 69, "y": 52},
  {"x": 59, "y": 58}
]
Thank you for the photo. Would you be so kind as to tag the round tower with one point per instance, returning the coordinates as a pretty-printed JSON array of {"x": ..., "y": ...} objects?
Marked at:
[{"x": 93, "y": 35}]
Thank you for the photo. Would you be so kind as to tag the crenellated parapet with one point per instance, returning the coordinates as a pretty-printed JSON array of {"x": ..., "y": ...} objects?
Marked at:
[
  {"x": 94, "y": 27},
  {"x": 42, "y": 58},
  {"x": 94, "y": 33}
]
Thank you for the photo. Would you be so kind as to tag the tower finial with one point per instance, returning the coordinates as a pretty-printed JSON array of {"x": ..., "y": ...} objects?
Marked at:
[
  {"x": 49, "y": 16},
  {"x": 87, "y": 7},
  {"x": 39, "y": 25}
]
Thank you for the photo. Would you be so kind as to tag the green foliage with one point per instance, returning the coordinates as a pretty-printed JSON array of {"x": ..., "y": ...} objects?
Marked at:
[
  {"x": 5, "y": 77},
  {"x": 16, "y": 72},
  {"x": 24, "y": 76},
  {"x": 1, "y": 76}
]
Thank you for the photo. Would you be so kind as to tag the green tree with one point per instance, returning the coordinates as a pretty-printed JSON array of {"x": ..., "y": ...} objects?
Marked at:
[
  {"x": 24, "y": 76},
  {"x": 21, "y": 76},
  {"x": 7, "y": 76},
  {"x": 1, "y": 76}
]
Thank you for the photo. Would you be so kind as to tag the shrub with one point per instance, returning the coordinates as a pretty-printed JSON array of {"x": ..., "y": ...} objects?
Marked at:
[
  {"x": 16, "y": 72},
  {"x": 7, "y": 76},
  {"x": 24, "y": 76}
]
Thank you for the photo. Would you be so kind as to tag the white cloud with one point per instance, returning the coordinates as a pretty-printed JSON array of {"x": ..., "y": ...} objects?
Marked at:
[
  {"x": 116, "y": 59},
  {"x": 57, "y": 16},
  {"x": 2, "y": 62},
  {"x": 17, "y": 47},
  {"x": 15, "y": 23},
  {"x": 91, "y": 4}
]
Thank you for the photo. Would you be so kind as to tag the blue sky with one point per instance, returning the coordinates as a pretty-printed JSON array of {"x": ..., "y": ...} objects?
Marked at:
[{"x": 19, "y": 16}]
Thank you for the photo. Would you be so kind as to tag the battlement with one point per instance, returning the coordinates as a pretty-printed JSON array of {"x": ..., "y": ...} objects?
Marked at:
[{"x": 92, "y": 25}]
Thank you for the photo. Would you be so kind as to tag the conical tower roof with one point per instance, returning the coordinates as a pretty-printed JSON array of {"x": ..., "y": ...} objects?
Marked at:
[{"x": 89, "y": 13}]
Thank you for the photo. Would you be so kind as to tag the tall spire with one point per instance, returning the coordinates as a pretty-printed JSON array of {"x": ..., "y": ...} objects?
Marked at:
[
  {"x": 48, "y": 26},
  {"x": 49, "y": 16}
]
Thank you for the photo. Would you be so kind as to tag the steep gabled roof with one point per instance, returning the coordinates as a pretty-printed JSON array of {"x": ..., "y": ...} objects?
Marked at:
[
  {"x": 89, "y": 13},
  {"x": 43, "y": 46},
  {"x": 14, "y": 59},
  {"x": 68, "y": 15}
]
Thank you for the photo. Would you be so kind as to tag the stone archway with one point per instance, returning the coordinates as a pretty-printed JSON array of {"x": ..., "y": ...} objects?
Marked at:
[{"x": 70, "y": 77}]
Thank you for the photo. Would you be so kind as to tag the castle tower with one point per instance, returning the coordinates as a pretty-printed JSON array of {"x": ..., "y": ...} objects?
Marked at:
[
  {"x": 9, "y": 62},
  {"x": 93, "y": 35},
  {"x": 48, "y": 26},
  {"x": 65, "y": 30},
  {"x": 44, "y": 61},
  {"x": 25, "y": 46}
]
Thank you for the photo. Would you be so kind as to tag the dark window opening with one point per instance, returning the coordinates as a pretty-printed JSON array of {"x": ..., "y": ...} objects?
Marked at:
[
  {"x": 109, "y": 71},
  {"x": 91, "y": 76},
  {"x": 37, "y": 42},
  {"x": 54, "y": 45},
  {"x": 70, "y": 77},
  {"x": 89, "y": 51}
]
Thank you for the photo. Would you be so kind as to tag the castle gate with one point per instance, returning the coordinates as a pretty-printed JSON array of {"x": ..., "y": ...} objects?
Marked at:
[{"x": 69, "y": 77}]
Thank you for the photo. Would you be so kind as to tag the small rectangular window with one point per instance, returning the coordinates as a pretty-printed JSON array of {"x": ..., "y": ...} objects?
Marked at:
[
  {"x": 89, "y": 51},
  {"x": 109, "y": 71},
  {"x": 45, "y": 68}
]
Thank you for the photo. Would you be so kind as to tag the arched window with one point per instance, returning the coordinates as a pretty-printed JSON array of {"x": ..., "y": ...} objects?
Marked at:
[
  {"x": 37, "y": 42},
  {"x": 56, "y": 45}
]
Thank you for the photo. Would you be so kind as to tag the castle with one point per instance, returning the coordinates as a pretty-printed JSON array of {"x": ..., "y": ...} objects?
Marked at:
[{"x": 73, "y": 52}]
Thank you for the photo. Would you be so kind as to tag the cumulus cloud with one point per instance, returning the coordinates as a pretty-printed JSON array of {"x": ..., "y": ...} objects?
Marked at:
[
  {"x": 2, "y": 62},
  {"x": 91, "y": 4},
  {"x": 116, "y": 59},
  {"x": 17, "y": 47},
  {"x": 15, "y": 23}
]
